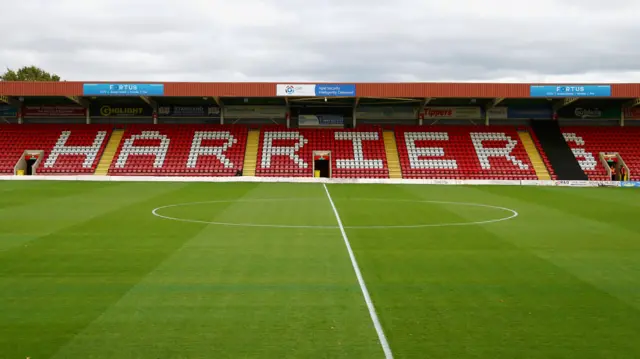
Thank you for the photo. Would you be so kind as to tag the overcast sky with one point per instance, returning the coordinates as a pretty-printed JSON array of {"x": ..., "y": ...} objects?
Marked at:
[{"x": 325, "y": 40}]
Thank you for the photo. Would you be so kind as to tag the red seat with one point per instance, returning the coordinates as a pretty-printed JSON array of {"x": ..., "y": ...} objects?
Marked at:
[
  {"x": 588, "y": 142},
  {"x": 68, "y": 149},
  {"x": 463, "y": 152},
  {"x": 180, "y": 150},
  {"x": 358, "y": 153}
]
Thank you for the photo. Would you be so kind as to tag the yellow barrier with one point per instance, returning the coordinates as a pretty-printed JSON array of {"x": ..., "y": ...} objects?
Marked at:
[
  {"x": 20, "y": 172},
  {"x": 316, "y": 173}
]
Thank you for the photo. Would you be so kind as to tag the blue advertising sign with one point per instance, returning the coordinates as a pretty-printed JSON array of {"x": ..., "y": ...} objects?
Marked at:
[
  {"x": 335, "y": 90},
  {"x": 8, "y": 111},
  {"x": 321, "y": 90},
  {"x": 570, "y": 91},
  {"x": 530, "y": 113},
  {"x": 635, "y": 184},
  {"x": 123, "y": 89}
]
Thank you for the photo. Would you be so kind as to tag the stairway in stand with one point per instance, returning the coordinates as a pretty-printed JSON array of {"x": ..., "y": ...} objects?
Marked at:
[
  {"x": 538, "y": 164},
  {"x": 251, "y": 153},
  {"x": 391, "y": 149},
  {"x": 109, "y": 153}
]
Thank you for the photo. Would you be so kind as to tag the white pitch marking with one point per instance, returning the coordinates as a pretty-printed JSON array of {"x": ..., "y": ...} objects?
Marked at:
[
  {"x": 155, "y": 213},
  {"x": 513, "y": 214},
  {"x": 367, "y": 298}
]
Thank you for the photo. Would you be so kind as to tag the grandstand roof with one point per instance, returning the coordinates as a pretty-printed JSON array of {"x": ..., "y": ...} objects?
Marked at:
[{"x": 265, "y": 89}]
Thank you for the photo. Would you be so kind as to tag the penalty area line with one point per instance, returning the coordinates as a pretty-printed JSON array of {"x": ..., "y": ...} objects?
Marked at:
[{"x": 363, "y": 287}]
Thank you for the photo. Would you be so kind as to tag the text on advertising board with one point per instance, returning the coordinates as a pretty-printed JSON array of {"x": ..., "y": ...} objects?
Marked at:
[
  {"x": 570, "y": 91},
  {"x": 7, "y": 111},
  {"x": 632, "y": 113},
  {"x": 107, "y": 111},
  {"x": 589, "y": 112},
  {"x": 452, "y": 112},
  {"x": 313, "y": 90},
  {"x": 54, "y": 111},
  {"x": 123, "y": 89},
  {"x": 321, "y": 120},
  {"x": 498, "y": 113},
  {"x": 189, "y": 111},
  {"x": 530, "y": 113}
]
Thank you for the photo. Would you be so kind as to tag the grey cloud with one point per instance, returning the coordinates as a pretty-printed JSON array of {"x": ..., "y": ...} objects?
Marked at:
[{"x": 330, "y": 40}]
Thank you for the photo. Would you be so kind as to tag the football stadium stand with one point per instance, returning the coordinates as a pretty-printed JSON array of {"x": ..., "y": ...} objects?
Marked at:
[
  {"x": 463, "y": 152},
  {"x": 354, "y": 153},
  {"x": 67, "y": 149},
  {"x": 180, "y": 150},
  {"x": 587, "y": 143},
  {"x": 431, "y": 131}
]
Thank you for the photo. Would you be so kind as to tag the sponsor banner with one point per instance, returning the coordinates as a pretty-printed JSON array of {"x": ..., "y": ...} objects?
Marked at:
[
  {"x": 570, "y": 91},
  {"x": 632, "y": 113},
  {"x": 120, "y": 111},
  {"x": 189, "y": 111},
  {"x": 123, "y": 89},
  {"x": 589, "y": 112},
  {"x": 384, "y": 113},
  {"x": 498, "y": 113},
  {"x": 607, "y": 183},
  {"x": 537, "y": 183},
  {"x": 239, "y": 112},
  {"x": 453, "y": 112},
  {"x": 295, "y": 180},
  {"x": 320, "y": 120},
  {"x": 576, "y": 183},
  {"x": 312, "y": 90},
  {"x": 530, "y": 113},
  {"x": 8, "y": 111},
  {"x": 54, "y": 111}
]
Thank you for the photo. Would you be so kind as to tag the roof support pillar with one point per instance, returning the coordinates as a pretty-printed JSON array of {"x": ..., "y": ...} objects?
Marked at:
[
  {"x": 495, "y": 102},
  {"x": 287, "y": 112},
  {"x": 154, "y": 107},
  {"x": 420, "y": 109},
  {"x": 628, "y": 105},
  {"x": 355, "y": 110},
  {"x": 218, "y": 102}
]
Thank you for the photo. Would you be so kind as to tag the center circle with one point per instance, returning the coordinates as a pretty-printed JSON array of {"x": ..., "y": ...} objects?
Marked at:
[{"x": 409, "y": 205}]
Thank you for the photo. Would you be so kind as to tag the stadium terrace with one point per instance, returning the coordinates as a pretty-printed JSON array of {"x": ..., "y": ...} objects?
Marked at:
[{"x": 456, "y": 131}]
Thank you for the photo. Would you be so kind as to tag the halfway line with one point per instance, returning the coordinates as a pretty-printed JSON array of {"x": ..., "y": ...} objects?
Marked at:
[{"x": 367, "y": 298}]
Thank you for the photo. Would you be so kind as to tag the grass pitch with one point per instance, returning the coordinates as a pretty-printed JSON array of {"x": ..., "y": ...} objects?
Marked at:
[{"x": 87, "y": 271}]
